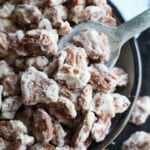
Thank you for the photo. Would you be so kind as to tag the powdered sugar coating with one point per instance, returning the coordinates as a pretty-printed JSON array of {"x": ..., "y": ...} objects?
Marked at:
[
  {"x": 40, "y": 42},
  {"x": 7, "y": 25},
  {"x": 86, "y": 98},
  {"x": 121, "y": 103},
  {"x": 93, "y": 10},
  {"x": 97, "y": 2},
  {"x": 38, "y": 3},
  {"x": 63, "y": 109},
  {"x": 3, "y": 45},
  {"x": 73, "y": 77},
  {"x": 15, "y": 134},
  {"x": 37, "y": 87},
  {"x": 26, "y": 14},
  {"x": 12, "y": 129},
  {"x": 66, "y": 147},
  {"x": 140, "y": 140},
  {"x": 141, "y": 110},
  {"x": 57, "y": 62},
  {"x": 93, "y": 13},
  {"x": 11, "y": 84},
  {"x": 72, "y": 95},
  {"x": 106, "y": 80},
  {"x": 76, "y": 56},
  {"x": 84, "y": 130},
  {"x": 42, "y": 146},
  {"x": 95, "y": 44},
  {"x": 101, "y": 129},
  {"x": 43, "y": 127},
  {"x": 5, "y": 69},
  {"x": 103, "y": 105},
  {"x": 6, "y": 10},
  {"x": 39, "y": 62},
  {"x": 121, "y": 76},
  {"x": 45, "y": 24},
  {"x": 58, "y": 15},
  {"x": 9, "y": 107},
  {"x": 3, "y": 144},
  {"x": 58, "y": 2},
  {"x": 26, "y": 140},
  {"x": 59, "y": 134}
]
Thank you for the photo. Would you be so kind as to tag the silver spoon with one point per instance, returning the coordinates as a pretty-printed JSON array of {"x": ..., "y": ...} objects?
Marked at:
[{"x": 117, "y": 36}]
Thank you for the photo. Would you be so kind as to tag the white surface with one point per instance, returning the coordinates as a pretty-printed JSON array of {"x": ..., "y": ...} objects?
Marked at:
[{"x": 131, "y": 8}]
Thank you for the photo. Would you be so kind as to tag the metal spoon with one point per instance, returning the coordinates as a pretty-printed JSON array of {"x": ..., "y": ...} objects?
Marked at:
[{"x": 117, "y": 36}]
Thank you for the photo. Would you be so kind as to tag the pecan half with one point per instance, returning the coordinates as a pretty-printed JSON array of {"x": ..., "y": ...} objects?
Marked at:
[
  {"x": 43, "y": 128},
  {"x": 139, "y": 140},
  {"x": 37, "y": 87}
]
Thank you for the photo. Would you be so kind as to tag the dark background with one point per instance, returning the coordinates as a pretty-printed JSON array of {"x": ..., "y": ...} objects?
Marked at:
[{"x": 144, "y": 44}]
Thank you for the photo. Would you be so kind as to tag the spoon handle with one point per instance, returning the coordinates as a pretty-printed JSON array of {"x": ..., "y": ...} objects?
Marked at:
[{"x": 134, "y": 26}]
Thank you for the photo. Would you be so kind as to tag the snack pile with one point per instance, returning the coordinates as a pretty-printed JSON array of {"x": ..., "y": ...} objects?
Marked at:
[{"x": 51, "y": 98}]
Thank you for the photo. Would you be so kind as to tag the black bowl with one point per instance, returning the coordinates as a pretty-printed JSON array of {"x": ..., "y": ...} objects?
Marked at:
[{"x": 130, "y": 61}]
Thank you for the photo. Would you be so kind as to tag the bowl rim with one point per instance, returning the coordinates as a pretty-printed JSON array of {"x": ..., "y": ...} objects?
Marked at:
[{"x": 135, "y": 90}]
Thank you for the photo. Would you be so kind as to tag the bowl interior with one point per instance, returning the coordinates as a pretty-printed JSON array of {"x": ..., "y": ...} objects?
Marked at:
[{"x": 130, "y": 61}]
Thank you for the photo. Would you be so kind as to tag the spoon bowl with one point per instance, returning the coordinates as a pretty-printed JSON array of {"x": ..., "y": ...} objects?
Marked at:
[{"x": 117, "y": 36}]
